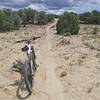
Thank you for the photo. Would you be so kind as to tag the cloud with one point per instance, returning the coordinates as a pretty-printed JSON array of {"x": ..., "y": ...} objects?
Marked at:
[
  {"x": 53, "y": 6},
  {"x": 38, "y": 7},
  {"x": 14, "y": 3},
  {"x": 49, "y": 3}
]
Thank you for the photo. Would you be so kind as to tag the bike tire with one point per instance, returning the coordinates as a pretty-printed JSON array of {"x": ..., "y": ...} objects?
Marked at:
[
  {"x": 27, "y": 73},
  {"x": 18, "y": 89},
  {"x": 21, "y": 83}
]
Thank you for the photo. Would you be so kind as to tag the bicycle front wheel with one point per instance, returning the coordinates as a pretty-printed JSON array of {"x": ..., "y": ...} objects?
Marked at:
[
  {"x": 27, "y": 73},
  {"x": 22, "y": 92}
]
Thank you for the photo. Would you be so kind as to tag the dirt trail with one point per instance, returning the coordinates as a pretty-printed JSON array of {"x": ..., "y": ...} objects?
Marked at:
[{"x": 53, "y": 86}]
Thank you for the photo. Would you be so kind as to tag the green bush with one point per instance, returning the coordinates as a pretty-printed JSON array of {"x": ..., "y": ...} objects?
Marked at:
[
  {"x": 50, "y": 17},
  {"x": 42, "y": 18},
  {"x": 30, "y": 15},
  {"x": 7, "y": 25},
  {"x": 67, "y": 24},
  {"x": 86, "y": 18},
  {"x": 6, "y": 22},
  {"x": 9, "y": 20},
  {"x": 90, "y": 17},
  {"x": 16, "y": 20}
]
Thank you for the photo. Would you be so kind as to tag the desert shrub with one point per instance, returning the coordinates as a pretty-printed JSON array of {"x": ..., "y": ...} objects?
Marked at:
[
  {"x": 67, "y": 24},
  {"x": 50, "y": 17},
  {"x": 86, "y": 18},
  {"x": 16, "y": 20},
  {"x": 6, "y": 22},
  {"x": 95, "y": 17},
  {"x": 90, "y": 17},
  {"x": 42, "y": 18},
  {"x": 7, "y": 25},
  {"x": 9, "y": 20},
  {"x": 30, "y": 15},
  {"x": 1, "y": 19}
]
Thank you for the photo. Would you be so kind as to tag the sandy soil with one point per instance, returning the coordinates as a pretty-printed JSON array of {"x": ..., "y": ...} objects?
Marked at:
[{"x": 68, "y": 66}]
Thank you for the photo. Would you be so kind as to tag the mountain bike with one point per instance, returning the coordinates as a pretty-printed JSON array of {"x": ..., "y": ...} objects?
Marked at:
[
  {"x": 25, "y": 83},
  {"x": 26, "y": 69}
]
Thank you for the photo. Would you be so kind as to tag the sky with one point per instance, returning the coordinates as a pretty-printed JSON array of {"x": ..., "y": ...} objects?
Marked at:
[{"x": 53, "y": 6}]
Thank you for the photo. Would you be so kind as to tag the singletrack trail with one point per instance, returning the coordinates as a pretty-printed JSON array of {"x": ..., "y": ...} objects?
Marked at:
[
  {"x": 47, "y": 86},
  {"x": 53, "y": 86}
]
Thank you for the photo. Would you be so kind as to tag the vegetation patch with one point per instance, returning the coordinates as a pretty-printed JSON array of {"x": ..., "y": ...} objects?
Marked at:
[
  {"x": 68, "y": 24},
  {"x": 90, "y": 17},
  {"x": 11, "y": 20}
]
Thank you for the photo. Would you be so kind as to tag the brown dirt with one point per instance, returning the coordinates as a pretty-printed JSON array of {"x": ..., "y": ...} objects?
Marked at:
[{"x": 69, "y": 68}]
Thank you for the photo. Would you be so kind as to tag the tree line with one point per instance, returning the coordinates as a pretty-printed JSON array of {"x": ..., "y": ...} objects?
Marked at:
[
  {"x": 68, "y": 23},
  {"x": 90, "y": 17},
  {"x": 11, "y": 20}
]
